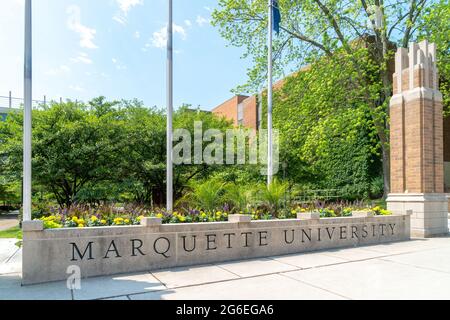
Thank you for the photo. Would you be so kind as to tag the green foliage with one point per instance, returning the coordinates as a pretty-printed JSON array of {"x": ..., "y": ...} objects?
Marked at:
[
  {"x": 327, "y": 213},
  {"x": 14, "y": 232},
  {"x": 435, "y": 27},
  {"x": 349, "y": 47},
  {"x": 206, "y": 194},
  {"x": 273, "y": 195},
  {"x": 328, "y": 138},
  {"x": 313, "y": 28},
  {"x": 101, "y": 152},
  {"x": 239, "y": 195}
]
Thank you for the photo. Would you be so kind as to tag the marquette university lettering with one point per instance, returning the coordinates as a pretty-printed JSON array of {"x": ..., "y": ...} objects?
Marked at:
[
  {"x": 236, "y": 240},
  {"x": 153, "y": 245}
]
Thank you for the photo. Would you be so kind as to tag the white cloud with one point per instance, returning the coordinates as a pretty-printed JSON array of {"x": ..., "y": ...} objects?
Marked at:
[
  {"x": 118, "y": 64},
  {"x": 180, "y": 30},
  {"x": 97, "y": 74},
  {"x": 82, "y": 58},
  {"x": 61, "y": 70},
  {"x": 137, "y": 35},
  {"x": 188, "y": 22},
  {"x": 120, "y": 19},
  {"x": 201, "y": 21},
  {"x": 76, "y": 88},
  {"x": 86, "y": 34},
  {"x": 159, "y": 38},
  {"x": 126, "y": 5}
]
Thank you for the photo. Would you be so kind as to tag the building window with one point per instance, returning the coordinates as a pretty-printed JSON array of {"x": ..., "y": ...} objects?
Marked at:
[
  {"x": 240, "y": 114},
  {"x": 259, "y": 112}
]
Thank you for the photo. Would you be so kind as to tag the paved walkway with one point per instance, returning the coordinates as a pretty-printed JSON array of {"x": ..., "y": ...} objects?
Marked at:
[
  {"x": 417, "y": 269},
  {"x": 8, "y": 220}
]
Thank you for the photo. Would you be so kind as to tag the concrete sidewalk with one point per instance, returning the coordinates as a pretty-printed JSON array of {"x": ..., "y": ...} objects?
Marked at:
[
  {"x": 9, "y": 220},
  {"x": 417, "y": 269}
]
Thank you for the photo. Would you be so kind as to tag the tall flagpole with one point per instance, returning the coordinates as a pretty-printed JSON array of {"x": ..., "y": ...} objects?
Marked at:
[
  {"x": 269, "y": 98},
  {"x": 169, "y": 173},
  {"x": 27, "y": 114}
]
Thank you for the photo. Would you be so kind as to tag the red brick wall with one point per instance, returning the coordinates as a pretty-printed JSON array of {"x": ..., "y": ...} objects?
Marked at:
[
  {"x": 416, "y": 143},
  {"x": 447, "y": 155},
  {"x": 228, "y": 109},
  {"x": 447, "y": 139},
  {"x": 250, "y": 113}
]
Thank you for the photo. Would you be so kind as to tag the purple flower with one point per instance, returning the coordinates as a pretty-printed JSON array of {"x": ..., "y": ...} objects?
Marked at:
[{"x": 194, "y": 212}]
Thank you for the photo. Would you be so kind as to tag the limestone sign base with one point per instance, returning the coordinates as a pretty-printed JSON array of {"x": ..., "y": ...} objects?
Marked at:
[
  {"x": 429, "y": 212},
  {"x": 48, "y": 255}
]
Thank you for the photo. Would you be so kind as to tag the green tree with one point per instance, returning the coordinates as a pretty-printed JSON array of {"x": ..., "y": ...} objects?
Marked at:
[
  {"x": 73, "y": 145},
  {"x": 364, "y": 33},
  {"x": 103, "y": 151},
  {"x": 328, "y": 139},
  {"x": 435, "y": 27},
  {"x": 144, "y": 161}
]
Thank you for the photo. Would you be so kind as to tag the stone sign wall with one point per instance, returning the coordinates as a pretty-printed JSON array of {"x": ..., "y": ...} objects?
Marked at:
[{"x": 47, "y": 254}]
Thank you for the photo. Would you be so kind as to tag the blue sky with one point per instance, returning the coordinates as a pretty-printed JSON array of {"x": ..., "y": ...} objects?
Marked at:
[{"x": 116, "y": 48}]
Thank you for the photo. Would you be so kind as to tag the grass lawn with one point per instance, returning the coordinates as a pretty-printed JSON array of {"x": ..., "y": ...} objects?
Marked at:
[{"x": 14, "y": 232}]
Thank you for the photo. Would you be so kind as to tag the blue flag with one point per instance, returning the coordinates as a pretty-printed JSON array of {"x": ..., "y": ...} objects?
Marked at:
[{"x": 276, "y": 16}]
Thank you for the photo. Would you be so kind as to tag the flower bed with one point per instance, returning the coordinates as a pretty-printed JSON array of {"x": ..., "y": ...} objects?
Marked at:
[{"x": 99, "y": 217}]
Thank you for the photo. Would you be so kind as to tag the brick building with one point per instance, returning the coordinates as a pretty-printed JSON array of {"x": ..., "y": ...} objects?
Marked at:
[
  {"x": 447, "y": 154},
  {"x": 242, "y": 110},
  {"x": 247, "y": 112}
]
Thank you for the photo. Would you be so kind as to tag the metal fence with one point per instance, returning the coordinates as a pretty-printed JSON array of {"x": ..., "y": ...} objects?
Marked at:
[
  {"x": 309, "y": 196},
  {"x": 17, "y": 103}
]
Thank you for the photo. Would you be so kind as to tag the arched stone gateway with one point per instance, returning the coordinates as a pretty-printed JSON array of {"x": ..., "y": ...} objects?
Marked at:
[{"x": 417, "y": 146}]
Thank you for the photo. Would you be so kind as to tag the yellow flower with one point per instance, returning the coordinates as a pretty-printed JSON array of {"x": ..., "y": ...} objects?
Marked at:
[
  {"x": 140, "y": 218},
  {"x": 127, "y": 221},
  {"x": 94, "y": 219},
  {"x": 103, "y": 221},
  {"x": 118, "y": 221},
  {"x": 182, "y": 218},
  {"x": 159, "y": 215},
  {"x": 81, "y": 221},
  {"x": 80, "y": 225},
  {"x": 74, "y": 219}
]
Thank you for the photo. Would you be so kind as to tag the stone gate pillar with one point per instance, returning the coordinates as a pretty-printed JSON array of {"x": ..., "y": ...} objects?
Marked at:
[{"x": 417, "y": 156}]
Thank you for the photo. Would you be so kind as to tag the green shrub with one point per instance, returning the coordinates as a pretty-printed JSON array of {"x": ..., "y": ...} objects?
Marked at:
[{"x": 273, "y": 195}]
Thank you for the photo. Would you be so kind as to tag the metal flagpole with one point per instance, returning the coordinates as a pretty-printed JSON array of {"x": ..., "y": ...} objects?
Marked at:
[
  {"x": 169, "y": 173},
  {"x": 269, "y": 99},
  {"x": 27, "y": 115}
]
